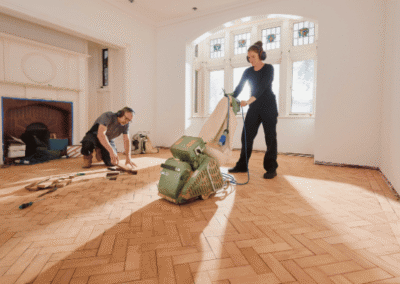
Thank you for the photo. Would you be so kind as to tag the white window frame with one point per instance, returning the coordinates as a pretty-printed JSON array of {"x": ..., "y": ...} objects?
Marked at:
[{"x": 300, "y": 53}]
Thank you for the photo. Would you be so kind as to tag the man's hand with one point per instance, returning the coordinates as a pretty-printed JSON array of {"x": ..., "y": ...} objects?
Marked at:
[
  {"x": 129, "y": 162},
  {"x": 114, "y": 158},
  {"x": 243, "y": 103}
]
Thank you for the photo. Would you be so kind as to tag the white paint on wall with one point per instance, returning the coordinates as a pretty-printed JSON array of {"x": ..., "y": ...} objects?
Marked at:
[
  {"x": 390, "y": 123},
  {"x": 35, "y": 32}
]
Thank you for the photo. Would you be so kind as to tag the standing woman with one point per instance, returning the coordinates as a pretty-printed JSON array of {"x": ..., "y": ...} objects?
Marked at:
[{"x": 262, "y": 110}]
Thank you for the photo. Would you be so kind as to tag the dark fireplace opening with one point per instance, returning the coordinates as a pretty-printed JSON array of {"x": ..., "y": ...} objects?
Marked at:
[{"x": 35, "y": 122}]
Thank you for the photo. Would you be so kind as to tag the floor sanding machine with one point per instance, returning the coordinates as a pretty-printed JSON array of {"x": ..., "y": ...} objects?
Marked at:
[{"x": 194, "y": 171}]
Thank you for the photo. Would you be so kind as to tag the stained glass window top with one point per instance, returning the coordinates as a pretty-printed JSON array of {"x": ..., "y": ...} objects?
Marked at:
[
  {"x": 242, "y": 43},
  {"x": 217, "y": 48},
  {"x": 271, "y": 38},
  {"x": 303, "y": 33}
]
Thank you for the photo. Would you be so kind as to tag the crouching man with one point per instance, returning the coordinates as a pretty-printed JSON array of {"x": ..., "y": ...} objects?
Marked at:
[{"x": 100, "y": 138}]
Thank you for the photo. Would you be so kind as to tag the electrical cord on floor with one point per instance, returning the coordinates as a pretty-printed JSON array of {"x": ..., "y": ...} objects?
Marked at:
[{"x": 230, "y": 178}]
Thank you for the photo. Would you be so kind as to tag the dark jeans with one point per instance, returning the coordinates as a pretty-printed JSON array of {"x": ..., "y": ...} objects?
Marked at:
[
  {"x": 90, "y": 142},
  {"x": 252, "y": 123}
]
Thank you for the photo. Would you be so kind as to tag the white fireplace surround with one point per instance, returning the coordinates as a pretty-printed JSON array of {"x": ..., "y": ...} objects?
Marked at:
[{"x": 32, "y": 70}]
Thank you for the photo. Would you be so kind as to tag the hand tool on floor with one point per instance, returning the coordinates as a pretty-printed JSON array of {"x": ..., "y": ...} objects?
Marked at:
[{"x": 25, "y": 205}]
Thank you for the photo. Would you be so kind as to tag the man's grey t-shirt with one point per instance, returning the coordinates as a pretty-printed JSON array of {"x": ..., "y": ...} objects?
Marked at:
[{"x": 114, "y": 128}]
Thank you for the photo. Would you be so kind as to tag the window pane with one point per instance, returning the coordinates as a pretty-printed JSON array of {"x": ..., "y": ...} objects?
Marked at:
[
  {"x": 275, "y": 83},
  {"x": 245, "y": 94},
  {"x": 217, "y": 48},
  {"x": 105, "y": 67},
  {"x": 303, "y": 86},
  {"x": 196, "y": 91},
  {"x": 302, "y": 33},
  {"x": 242, "y": 43},
  {"x": 271, "y": 38},
  {"x": 216, "y": 86}
]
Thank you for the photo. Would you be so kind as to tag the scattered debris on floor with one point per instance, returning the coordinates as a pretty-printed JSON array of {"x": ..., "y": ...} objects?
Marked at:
[{"x": 64, "y": 180}]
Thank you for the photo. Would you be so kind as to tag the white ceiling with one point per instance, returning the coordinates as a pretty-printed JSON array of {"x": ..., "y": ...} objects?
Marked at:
[{"x": 162, "y": 11}]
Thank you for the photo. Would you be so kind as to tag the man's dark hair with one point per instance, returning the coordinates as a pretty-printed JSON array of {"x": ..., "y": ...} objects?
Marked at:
[{"x": 122, "y": 112}]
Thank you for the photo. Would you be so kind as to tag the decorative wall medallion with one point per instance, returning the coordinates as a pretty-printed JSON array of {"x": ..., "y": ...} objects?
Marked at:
[{"x": 38, "y": 67}]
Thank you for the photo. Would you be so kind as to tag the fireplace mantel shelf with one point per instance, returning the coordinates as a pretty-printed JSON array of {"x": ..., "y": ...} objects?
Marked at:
[{"x": 41, "y": 86}]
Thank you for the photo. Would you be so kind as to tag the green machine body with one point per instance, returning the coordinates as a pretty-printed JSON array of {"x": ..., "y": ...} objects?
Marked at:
[{"x": 190, "y": 174}]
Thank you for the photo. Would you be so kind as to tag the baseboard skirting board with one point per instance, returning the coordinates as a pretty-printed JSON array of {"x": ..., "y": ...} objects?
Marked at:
[
  {"x": 345, "y": 165},
  {"x": 388, "y": 183}
]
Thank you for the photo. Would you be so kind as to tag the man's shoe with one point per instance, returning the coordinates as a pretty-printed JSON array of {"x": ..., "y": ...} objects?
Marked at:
[
  {"x": 270, "y": 175},
  {"x": 236, "y": 170},
  {"x": 87, "y": 161},
  {"x": 99, "y": 157}
]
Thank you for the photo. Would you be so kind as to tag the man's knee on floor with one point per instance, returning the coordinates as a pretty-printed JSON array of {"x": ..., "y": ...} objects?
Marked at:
[{"x": 87, "y": 148}]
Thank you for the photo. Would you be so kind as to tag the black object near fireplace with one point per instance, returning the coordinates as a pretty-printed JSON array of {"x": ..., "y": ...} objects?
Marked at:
[{"x": 36, "y": 135}]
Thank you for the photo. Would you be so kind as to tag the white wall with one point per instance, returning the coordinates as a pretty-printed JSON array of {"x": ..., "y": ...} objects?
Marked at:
[
  {"x": 390, "y": 136},
  {"x": 348, "y": 86},
  {"x": 32, "y": 31},
  {"x": 95, "y": 80},
  {"x": 349, "y": 83},
  {"x": 132, "y": 38}
]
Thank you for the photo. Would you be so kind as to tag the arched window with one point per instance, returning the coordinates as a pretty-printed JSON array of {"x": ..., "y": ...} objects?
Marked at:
[{"x": 291, "y": 46}]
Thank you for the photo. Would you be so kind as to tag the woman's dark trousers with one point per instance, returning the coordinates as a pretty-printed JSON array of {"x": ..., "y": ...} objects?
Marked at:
[{"x": 252, "y": 122}]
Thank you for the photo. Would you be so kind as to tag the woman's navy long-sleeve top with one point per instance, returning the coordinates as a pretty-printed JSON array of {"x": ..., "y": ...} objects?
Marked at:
[{"x": 261, "y": 88}]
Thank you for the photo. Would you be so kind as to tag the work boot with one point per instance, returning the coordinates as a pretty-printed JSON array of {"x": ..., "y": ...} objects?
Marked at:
[
  {"x": 98, "y": 154},
  {"x": 87, "y": 161}
]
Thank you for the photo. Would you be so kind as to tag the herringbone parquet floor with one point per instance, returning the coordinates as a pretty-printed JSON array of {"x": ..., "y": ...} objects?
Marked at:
[{"x": 311, "y": 224}]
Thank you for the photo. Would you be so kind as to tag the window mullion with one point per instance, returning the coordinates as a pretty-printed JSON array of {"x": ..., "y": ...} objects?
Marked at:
[{"x": 285, "y": 77}]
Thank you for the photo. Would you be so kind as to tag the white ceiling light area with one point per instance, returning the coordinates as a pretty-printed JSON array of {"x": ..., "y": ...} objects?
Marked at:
[{"x": 162, "y": 11}]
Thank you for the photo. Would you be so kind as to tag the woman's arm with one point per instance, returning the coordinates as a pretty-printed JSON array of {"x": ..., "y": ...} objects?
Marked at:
[
  {"x": 240, "y": 86},
  {"x": 246, "y": 103}
]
